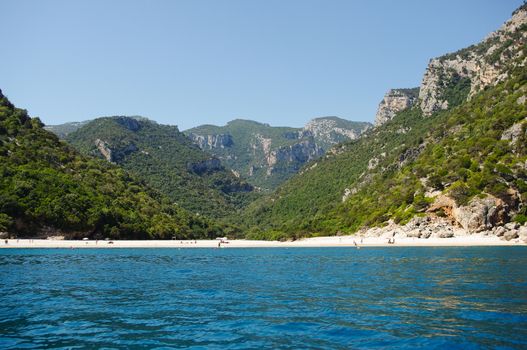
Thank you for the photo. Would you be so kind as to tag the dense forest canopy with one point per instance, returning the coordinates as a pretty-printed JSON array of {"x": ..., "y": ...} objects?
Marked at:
[{"x": 47, "y": 188}]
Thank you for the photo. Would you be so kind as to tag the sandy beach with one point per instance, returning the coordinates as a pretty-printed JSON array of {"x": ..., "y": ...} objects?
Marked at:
[{"x": 334, "y": 241}]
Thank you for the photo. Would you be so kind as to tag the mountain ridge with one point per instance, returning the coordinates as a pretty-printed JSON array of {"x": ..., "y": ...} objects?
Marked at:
[
  {"x": 404, "y": 167},
  {"x": 267, "y": 155},
  {"x": 49, "y": 189},
  {"x": 165, "y": 159}
]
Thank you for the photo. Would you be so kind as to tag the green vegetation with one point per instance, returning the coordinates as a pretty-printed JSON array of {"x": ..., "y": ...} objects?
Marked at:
[
  {"x": 253, "y": 142},
  {"x": 166, "y": 159},
  {"x": 168, "y": 187},
  {"x": 47, "y": 187},
  {"x": 246, "y": 155},
  {"x": 459, "y": 152}
]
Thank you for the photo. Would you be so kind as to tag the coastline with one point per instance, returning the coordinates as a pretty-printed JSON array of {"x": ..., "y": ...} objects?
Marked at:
[{"x": 316, "y": 242}]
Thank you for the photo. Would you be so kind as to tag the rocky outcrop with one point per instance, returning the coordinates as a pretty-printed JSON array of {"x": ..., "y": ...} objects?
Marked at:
[
  {"x": 438, "y": 227},
  {"x": 116, "y": 154},
  {"x": 469, "y": 70},
  {"x": 480, "y": 214},
  {"x": 208, "y": 142},
  {"x": 294, "y": 156},
  {"x": 329, "y": 131},
  {"x": 517, "y": 132},
  {"x": 103, "y": 148},
  {"x": 410, "y": 154},
  {"x": 395, "y": 101},
  {"x": 130, "y": 123}
]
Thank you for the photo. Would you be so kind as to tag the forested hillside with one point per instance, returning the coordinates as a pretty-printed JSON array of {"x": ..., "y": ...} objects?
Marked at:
[
  {"x": 465, "y": 141},
  {"x": 48, "y": 189},
  {"x": 166, "y": 160}
]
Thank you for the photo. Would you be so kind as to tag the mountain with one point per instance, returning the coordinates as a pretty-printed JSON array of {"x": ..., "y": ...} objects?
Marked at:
[
  {"x": 267, "y": 156},
  {"x": 63, "y": 130},
  {"x": 454, "y": 157},
  {"x": 49, "y": 189},
  {"x": 167, "y": 161}
]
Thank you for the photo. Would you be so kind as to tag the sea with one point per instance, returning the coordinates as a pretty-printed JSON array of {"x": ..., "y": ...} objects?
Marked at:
[{"x": 264, "y": 298}]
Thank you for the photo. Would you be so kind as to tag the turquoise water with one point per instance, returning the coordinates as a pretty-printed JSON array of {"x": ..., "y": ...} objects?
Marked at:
[{"x": 297, "y": 298}]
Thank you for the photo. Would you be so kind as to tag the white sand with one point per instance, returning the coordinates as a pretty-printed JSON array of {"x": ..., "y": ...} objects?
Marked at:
[{"x": 343, "y": 241}]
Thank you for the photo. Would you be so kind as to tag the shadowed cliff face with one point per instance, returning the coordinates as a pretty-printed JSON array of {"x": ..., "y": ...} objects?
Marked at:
[{"x": 265, "y": 155}]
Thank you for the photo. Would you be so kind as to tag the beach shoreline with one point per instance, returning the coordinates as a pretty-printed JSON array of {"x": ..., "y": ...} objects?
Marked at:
[{"x": 315, "y": 242}]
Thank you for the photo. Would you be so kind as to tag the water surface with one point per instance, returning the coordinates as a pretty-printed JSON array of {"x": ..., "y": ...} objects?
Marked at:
[{"x": 318, "y": 298}]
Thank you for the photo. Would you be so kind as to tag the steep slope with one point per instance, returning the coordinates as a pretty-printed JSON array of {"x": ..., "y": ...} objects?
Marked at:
[
  {"x": 47, "y": 188},
  {"x": 166, "y": 160},
  {"x": 266, "y": 155},
  {"x": 465, "y": 165}
]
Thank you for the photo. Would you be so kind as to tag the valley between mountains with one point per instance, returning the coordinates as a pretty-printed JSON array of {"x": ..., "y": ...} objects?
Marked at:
[{"x": 446, "y": 158}]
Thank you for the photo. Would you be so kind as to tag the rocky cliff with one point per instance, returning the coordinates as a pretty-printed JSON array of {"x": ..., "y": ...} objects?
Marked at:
[
  {"x": 208, "y": 142},
  {"x": 395, "y": 101},
  {"x": 471, "y": 69},
  {"x": 328, "y": 131},
  {"x": 453, "y": 78},
  {"x": 265, "y": 155}
]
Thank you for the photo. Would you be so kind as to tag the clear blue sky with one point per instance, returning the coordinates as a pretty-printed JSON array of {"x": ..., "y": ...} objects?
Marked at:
[{"x": 196, "y": 62}]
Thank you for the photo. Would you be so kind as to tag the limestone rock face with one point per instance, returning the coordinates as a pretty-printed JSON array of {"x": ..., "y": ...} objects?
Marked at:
[
  {"x": 212, "y": 141},
  {"x": 298, "y": 153},
  {"x": 481, "y": 214},
  {"x": 104, "y": 149},
  {"x": 266, "y": 155},
  {"x": 394, "y": 101},
  {"x": 329, "y": 131},
  {"x": 515, "y": 133},
  {"x": 476, "y": 67}
]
